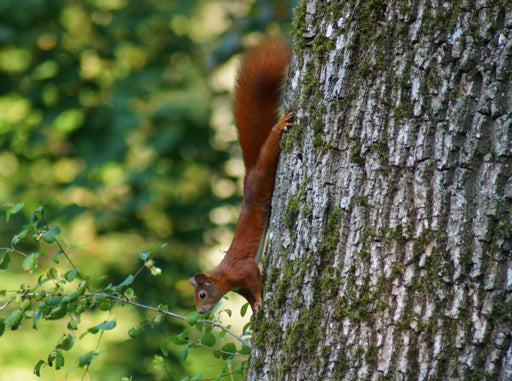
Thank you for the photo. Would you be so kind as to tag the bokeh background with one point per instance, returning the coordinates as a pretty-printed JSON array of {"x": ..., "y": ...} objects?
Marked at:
[{"x": 116, "y": 114}]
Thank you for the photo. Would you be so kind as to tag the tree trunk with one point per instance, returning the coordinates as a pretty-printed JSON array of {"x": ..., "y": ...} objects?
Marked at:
[{"x": 391, "y": 231}]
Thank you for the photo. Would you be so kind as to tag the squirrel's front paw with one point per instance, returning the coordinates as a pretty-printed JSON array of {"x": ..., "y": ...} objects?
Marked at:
[{"x": 283, "y": 123}]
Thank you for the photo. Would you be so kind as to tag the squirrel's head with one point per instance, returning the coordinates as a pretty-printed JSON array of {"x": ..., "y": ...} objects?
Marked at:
[{"x": 206, "y": 293}]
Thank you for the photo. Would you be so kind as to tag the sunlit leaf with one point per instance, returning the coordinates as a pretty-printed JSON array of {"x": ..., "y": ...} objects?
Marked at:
[
  {"x": 59, "y": 360},
  {"x": 66, "y": 342},
  {"x": 184, "y": 354},
  {"x": 37, "y": 368},
  {"x": 30, "y": 263},
  {"x": 85, "y": 359},
  {"x": 134, "y": 331},
  {"x": 13, "y": 210},
  {"x": 105, "y": 326},
  {"x": 243, "y": 310},
  {"x": 49, "y": 236},
  {"x": 13, "y": 321},
  {"x": 5, "y": 258},
  {"x": 208, "y": 339}
]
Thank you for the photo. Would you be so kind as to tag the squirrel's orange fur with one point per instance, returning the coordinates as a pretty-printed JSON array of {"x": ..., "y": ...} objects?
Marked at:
[{"x": 256, "y": 103}]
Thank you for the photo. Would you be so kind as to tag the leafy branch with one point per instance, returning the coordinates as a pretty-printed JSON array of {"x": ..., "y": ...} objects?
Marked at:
[{"x": 71, "y": 294}]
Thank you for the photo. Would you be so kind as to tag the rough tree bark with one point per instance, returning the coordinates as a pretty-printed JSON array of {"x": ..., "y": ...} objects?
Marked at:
[{"x": 391, "y": 231}]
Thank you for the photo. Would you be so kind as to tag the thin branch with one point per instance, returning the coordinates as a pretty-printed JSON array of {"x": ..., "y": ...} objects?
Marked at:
[
  {"x": 220, "y": 350},
  {"x": 62, "y": 249},
  {"x": 151, "y": 256},
  {"x": 5, "y": 305},
  {"x": 14, "y": 250},
  {"x": 168, "y": 313},
  {"x": 215, "y": 378}
]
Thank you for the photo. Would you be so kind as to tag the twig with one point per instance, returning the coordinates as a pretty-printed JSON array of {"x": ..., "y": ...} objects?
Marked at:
[
  {"x": 221, "y": 351},
  {"x": 62, "y": 249},
  {"x": 14, "y": 250},
  {"x": 5, "y": 305},
  {"x": 168, "y": 313}
]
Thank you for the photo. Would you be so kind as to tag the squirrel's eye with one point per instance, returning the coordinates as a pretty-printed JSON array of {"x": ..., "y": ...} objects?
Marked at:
[{"x": 202, "y": 295}]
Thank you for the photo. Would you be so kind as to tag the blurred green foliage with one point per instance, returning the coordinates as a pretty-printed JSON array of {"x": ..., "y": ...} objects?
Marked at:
[{"x": 117, "y": 111}]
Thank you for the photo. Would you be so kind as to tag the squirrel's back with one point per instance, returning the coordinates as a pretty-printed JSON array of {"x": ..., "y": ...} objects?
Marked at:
[{"x": 257, "y": 95}]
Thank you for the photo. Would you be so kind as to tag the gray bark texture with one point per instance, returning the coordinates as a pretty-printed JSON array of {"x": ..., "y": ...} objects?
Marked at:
[{"x": 391, "y": 232}]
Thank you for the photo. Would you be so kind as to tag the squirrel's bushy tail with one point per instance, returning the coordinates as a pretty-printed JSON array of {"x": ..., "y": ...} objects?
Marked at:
[{"x": 257, "y": 95}]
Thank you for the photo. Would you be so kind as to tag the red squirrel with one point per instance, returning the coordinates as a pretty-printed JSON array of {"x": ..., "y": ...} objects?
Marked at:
[{"x": 256, "y": 104}]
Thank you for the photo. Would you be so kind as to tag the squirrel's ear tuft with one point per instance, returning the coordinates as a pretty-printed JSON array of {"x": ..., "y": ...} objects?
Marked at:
[{"x": 193, "y": 281}]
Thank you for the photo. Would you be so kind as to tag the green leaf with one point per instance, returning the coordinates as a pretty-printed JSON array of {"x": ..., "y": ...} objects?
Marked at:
[
  {"x": 85, "y": 359},
  {"x": 126, "y": 282},
  {"x": 208, "y": 339},
  {"x": 18, "y": 237},
  {"x": 30, "y": 263},
  {"x": 88, "y": 358},
  {"x": 56, "y": 255},
  {"x": 105, "y": 306},
  {"x": 82, "y": 287},
  {"x": 53, "y": 273},
  {"x": 2, "y": 326},
  {"x": 144, "y": 255},
  {"x": 100, "y": 281},
  {"x": 162, "y": 307},
  {"x": 54, "y": 301},
  {"x": 66, "y": 342},
  {"x": 134, "y": 331},
  {"x": 14, "y": 319},
  {"x": 192, "y": 319},
  {"x": 25, "y": 305},
  {"x": 5, "y": 258},
  {"x": 105, "y": 326},
  {"x": 49, "y": 236},
  {"x": 246, "y": 327},
  {"x": 164, "y": 344},
  {"x": 229, "y": 347},
  {"x": 58, "y": 313},
  {"x": 36, "y": 316},
  {"x": 129, "y": 293},
  {"x": 59, "y": 360},
  {"x": 243, "y": 310},
  {"x": 240, "y": 368},
  {"x": 71, "y": 275},
  {"x": 182, "y": 338},
  {"x": 73, "y": 324},
  {"x": 245, "y": 350},
  {"x": 13, "y": 210},
  {"x": 37, "y": 368},
  {"x": 184, "y": 354}
]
